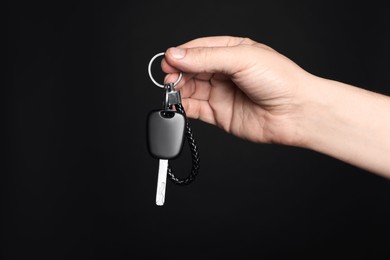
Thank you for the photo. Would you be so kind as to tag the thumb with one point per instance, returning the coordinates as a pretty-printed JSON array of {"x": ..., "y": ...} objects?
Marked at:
[{"x": 226, "y": 60}]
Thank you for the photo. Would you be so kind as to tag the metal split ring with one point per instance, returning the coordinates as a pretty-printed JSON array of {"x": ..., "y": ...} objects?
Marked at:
[{"x": 151, "y": 76}]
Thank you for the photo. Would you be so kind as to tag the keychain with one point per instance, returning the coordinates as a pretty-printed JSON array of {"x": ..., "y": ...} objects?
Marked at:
[{"x": 166, "y": 128}]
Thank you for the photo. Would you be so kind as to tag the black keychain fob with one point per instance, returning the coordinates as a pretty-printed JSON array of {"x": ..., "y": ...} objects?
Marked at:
[
  {"x": 165, "y": 133},
  {"x": 165, "y": 136}
]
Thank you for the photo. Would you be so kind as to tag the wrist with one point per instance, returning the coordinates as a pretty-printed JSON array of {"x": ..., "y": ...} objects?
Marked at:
[
  {"x": 314, "y": 107},
  {"x": 345, "y": 122},
  {"x": 296, "y": 127}
]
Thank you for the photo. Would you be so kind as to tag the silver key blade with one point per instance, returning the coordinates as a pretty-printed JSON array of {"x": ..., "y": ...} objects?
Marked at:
[{"x": 161, "y": 181}]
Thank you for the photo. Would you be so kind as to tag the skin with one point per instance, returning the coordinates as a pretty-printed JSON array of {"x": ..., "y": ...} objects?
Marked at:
[{"x": 252, "y": 91}]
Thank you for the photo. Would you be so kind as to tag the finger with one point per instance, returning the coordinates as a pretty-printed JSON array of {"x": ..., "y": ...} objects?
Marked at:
[
  {"x": 186, "y": 77},
  {"x": 225, "y": 60},
  {"x": 194, "y": 88},
  {"x": 216, "y": 41},
  {"x": 199, "y": 109},
  {"x": 167, "y": 68},
  {"x": 197, "y": 89},
  {"x": 173, "y": 77}
]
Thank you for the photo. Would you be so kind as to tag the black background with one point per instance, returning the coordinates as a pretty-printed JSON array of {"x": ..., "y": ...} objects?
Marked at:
[{"x": 79, "y": 182}]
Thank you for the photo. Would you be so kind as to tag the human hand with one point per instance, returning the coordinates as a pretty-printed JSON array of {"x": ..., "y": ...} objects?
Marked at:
[{"x": 245, "y": 87}]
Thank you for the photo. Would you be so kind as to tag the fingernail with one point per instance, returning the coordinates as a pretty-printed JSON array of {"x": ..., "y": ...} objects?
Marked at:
[{"x": 177, "y": 53}]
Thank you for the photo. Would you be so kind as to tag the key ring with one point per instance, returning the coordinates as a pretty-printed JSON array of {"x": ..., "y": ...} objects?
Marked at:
[{"x": 151, "y": 76}]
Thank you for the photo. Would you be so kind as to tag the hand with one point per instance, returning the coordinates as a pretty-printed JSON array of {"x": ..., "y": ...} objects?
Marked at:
[
  {"x": 254, "y": 92},
  {"x": 240, "y": 85}
]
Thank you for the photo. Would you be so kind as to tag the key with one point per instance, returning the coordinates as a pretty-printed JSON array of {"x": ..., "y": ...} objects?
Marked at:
[
  {"x": 165, "y": 141},
  {"x": 161, "y": 181}
]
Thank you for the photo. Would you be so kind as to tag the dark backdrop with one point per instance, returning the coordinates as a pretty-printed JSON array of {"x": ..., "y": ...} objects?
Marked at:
[{"x": 79, "y": 182}]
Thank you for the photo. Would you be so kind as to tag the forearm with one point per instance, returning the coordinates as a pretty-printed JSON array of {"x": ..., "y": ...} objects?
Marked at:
[{"x": 347, "y": 123}]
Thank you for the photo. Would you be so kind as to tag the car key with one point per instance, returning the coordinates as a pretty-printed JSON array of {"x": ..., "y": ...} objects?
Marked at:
[
  {"x": 165, "y": 139},
  {"x": 161, "y": 182},
  {"x": 166, "y": 129}
]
